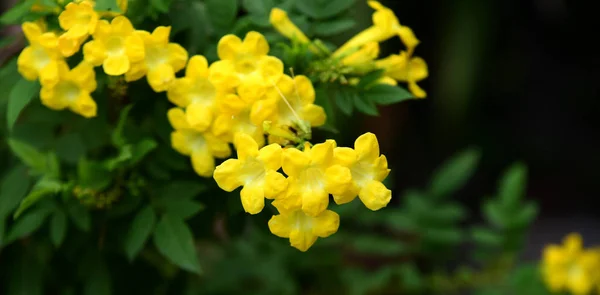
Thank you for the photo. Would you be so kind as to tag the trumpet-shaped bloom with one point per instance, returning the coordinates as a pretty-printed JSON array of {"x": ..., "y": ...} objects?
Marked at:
[
  {"x": 41, "y": 58},
  {"x": 161, "y": 60},
  {"x": 290, "y": 103},
  {"x": 198, "y": 94},
  {"x": 255, "y": 170},
  {"x": 72, "y": 90},
  {"x": 570, "y": 267},
  {"x": 78, "y": 19},
  {"x": 115, "y": 46},
  {"x": 403, "y": 68},
  {"x": 385, "y": 26},
  {"x": 202, "y": 147},
  {"x": 282, "y": 23},
  {"x": 312, "y": 176},
  {"x": 303, "y": 230},
  {"x": 364, "y": 57},
  {"x": 227, "y": 126},
  {"x": 368, "y": 170},
  {"x": 245, "y": 64}
]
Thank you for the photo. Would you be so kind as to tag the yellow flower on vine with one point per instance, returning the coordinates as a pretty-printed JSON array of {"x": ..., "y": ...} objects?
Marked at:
[
  {"x": 202, "y": 147},
  {"x": 79, "y": 20},
  {"x": 282, "y": 23},
  {"x": 41, "y": 58},
  {"x": 161, "y": 60},
  {"x": 407, "y": 69},
  {"x": 303, "y": 230},
  {"x": 73, "y": 90},
  {"x": 368, "y": 169},
  {"x": 115, "y": 46},
  {"x": 569, "y": 267},
  {"x": 256, "y": 170},
  {"x": 363, "y": 58},
  {"x": 312, "y": 176},
  {"x": 226, "y": 126},
  {"x": 246, "y": 65}
]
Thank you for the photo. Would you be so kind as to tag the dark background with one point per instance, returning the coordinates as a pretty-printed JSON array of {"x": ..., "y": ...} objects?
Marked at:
[{"x": 518, "y": 79}]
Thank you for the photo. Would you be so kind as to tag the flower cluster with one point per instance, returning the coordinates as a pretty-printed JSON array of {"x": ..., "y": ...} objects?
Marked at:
[
  {"x": 570, "y": 267},
  {"x": 359, "y": 54}
]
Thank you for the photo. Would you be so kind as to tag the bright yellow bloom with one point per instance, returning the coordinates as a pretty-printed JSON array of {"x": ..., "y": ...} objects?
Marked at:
[
  {"x": 368, "y": 170},
  {"x": 363, "y": 58},
  {"x": 385, "y": 26},
  {"x": 403, "y": 68},
  {"x": 291, "y": 103},
  {"x": 203, "y": 147},
  {"x": 282, "y": 23},
  {"x": 303, "y": 230},
  {"x": 78, "y": 19},
  {"x": 161, "y": 60},
  {"x": 227, "y": 126},
  {"x": 246, "y": 65},
  {"x": 72, "y": 90},
  {"x": 569, "y": 267},
  {"x": 115, "y": 46},
  {"x": 41, "y": 57},
  {"x": 255, "y": 170},
  {"x": 198, "y": 94},
  {"x": 312, "y": 176}
]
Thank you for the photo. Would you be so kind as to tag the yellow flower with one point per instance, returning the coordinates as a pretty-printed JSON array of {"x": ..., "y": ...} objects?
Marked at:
[
  {"x": 203, "y": 147},
  {"x": 385, "y": 26},
  {"x": 255, "y": 170},
  {"x": 312, "y": 176},
  {"x": 72, "y": 90},
  {"x": 403, "y": 68},
  {"x": 226, "y": 126},
  {"x": 368, "y": 170},
  {"x": 78, "y": 19},
  {"x": 290, "y": 103},
  {"x": 303, "y": 230},
  {"x": 282, "y": 23},
  {"x": 115, "y": 46},
  {"x": 41, "y": 57},
  {"x": 198, "y": 94},
  {"x": 570, "y": 267},
  {"x": 363, "y": 58},
  {"x": 245, "y": 64},
  {"x": 161, "y": 60}
]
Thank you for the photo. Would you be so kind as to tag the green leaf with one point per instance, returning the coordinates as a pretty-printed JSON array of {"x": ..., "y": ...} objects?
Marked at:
[
  {"x": 258, "y": 7},
  {"x": 27, "y": 224},
  {"x": 443, "y": 214},
  {"x": 93, "y": 175},
  {"x": 80, "y": 216},
  {"x": 369, "y": 79},
  {"x": 44, "y": 187},
  {"x": 141, "y": 149},
  {"x": 39, "y": 163},
  {"x": 139, "y": 232},
  {"x": 387, "y": 94},
  {"x": 222, "y": 13},
  {"x": 174, "y": 240},
  {"x": 445, "y": 236},
  {"x": 98, "y": 282},
  {"x": 511, "y": 188},
  {"x": 7, "y": 41},
  {"x": 182, "y": 190},
  {"x": 365, "y": 106},
  {"x": 410, "y": 277},
  {"x": 322, "y": 9},
  {"x": 182, "y": 208},
  {"x": 107, "y": 5},
  {"x": 125, "y": 154},
  {"x": 58, "y": 228},
  {"x": 2, "y": 230},
  {"x": 333, "y": 27},
  {"x": 20, "y": 96},
  {"x": 371, "y": 244},
  {"x": 486, "y": 237},
  {"x": 454, "y": 173},
  {"x": 344, "y": 99},
  {"x": 495, "y": 215},
  {"x": 117, "y": 137},
  {"x": 524, "y": 216},
  {"x": 70, "y": 148},
  {"x": 161, "y": 5},
  {"x": 15, "y": 184},
  {"x": 18, "y": 11}
]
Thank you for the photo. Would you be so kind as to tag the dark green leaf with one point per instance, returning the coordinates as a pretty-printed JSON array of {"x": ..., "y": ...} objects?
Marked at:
[
  {"x": 222, "y": 13},
  {"x": 15, "y": 184},
  {"x": 182, "y": 190},
  {"x": 486, "y": 237},
  {"x": 333, "y": 27},
  {"x": 18, "y": 11},
  {"x": 371, "y": 244},
  {"x": 58, "y": 228},
  {"x": 107, "y": 5},
  {"x": 125, "y": 154},
  {"x": 258, "y": 7},
  {"x": 387, "y": 94},
  {"x": 454, "y": 173},
  {"x": 26, "y": 275},
  {"x": 344, "y": 99},
  {"x": 512, "y": 185},
  {"x": 2, "y": 230},
  {"x": 117, "y": 137},
  {"x": 29, "y": 155},
  {"x": 321, "y": 9},
  {"x": 365, "y": 106},
  {"x": 524, "y": 216},
  {"x": 161, "y": 5},
  {"x": 98, "y": 282},
  {"x": 93, "y": 175},
  {"x": 7, "y": 41},
  {"x": 80, "y": 216},
  {"x": 182, "y": 208},
  {"x": 445, "y": 236},
  {"x": 44, "y": 187},
  {"x": 369, "y": 79},
  {"x": 410, "y": 277},
  {"x": 139, "y": 232},
  {"x": 444, "y": 214},
  {"x": 27, "y": 224},
  {"x": 70, "y": 147},
  {"x": 174, "y": 240},
  {"x": 141, "y": 149},
  {"x": 20, "y": 96},
  {"x": 495, "y": 215}
]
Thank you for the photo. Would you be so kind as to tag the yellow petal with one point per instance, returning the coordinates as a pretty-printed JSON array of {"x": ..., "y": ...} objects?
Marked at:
[
  {"x": 49, "y": 75},
  {"x": 271, "y": 156},
  {"x": 136, "y": 72},
  {"x": 294, "y": 161},
  {"x": 314, "y": 202},
  {"x": 344, "y": 156},
  {"x": 251, "y": 90},
  {"x": 227, "y": 175},
  {"x": 263, "y": 110},
  {"x": 326, "y": 224},
  {"x": 177, "y": 119},
  {"x": 178, "y": 92},
  {"x": 85, "y": 106},
  {"x": 161, "y": 77},
  {"x": 375, "y": 195},
  {"x": 231, "y": 104},
  {"x": 228, "y": 47},
  {"x": 314, "y": 115},
  {"x": 218, "y": 148},
  {"x": 134, "y": 47},
  {"x": 246, "y": 146},
  {"x": 348, "y": 196},
  {"x": 275, "y": 184},
  {"x": 255, "y": 44},
  {"x": 178, "y": 56},
  {"x": 199, "y": 117},
  {"x": 338, "y": 179},
  {"x": 408, "y": 37},
  {"x": 382, "y": 170},
  {"x": 179, "y": 142},
  {"x": 94, "y": 52},
  {"x": 121, "y": 25},
  {"x": 253, "y": 198},
  {"x": 83, "y": 74},
  {"x": 50, "y": 100},
  {"x": 271, "y": 68},
  {"x": 280, "y": 20},
  {"x": 161, "y": 34},
  {"x": 203, "y": 162},
  {"x": 302, "y": 240},
  {"x": 322, "y": 153},
  {"x": 306, "y": 91},
  {"x": 31, "y": 30},
  {"x": 417, "y": 91},
  {"x": 116, "y": 65},
  {"x": 418, "y": 69},
  {"x": 573, "y": 242},
  {"x": 197, "y": 67},
  {"x": 367, "y": 146},
  {"x": 279, "y": 225}
]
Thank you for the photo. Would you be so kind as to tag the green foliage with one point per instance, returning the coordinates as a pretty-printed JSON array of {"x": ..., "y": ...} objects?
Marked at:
[
  {"x": 174, "y": 239},
  {"x": 20, "y": 96}
]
